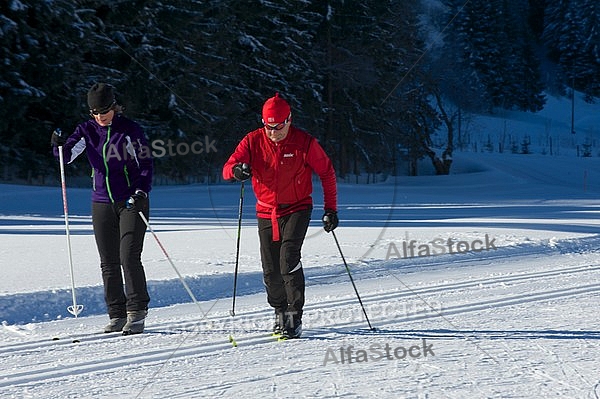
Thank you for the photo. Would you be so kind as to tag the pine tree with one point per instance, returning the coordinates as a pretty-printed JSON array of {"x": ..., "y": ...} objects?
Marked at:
[
  {"x": 37, "y": 80},
  {"x": 493, "y": 46},
  {"x": 572, "y": 37},
  {"x": 371, "y": 61},
  {"x": 587, "y": 67},
  {"x": 522, "y": 79}
]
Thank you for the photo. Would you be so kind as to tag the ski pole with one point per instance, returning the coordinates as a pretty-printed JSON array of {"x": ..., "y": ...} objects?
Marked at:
[
  {"x": 74, "y": 309},
  {"x": 352, "y": 280},
  {"x": 237, "y": 262},
  {"x": 185, "y": 285},
  {"x": 237, "y": 250}
]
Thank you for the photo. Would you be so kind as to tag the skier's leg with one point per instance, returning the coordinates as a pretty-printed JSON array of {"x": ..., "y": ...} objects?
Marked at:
[
  {"x": 106, "y": 233},
  {"x": 132, "y": 229},
  {"x": 269, "y": 255},
  {"x": 293, "y": 230}
]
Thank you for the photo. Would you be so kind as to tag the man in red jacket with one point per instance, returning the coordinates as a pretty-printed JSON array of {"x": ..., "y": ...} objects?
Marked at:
[{"x": 281, "y": 158}]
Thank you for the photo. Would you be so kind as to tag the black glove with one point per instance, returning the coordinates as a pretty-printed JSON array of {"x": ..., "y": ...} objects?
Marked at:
[
  {"x": 58, "y": 138},
  {"x": 330, "y": 220},
  {"x": 137, "y": 201},
  {"x": 242, "y": 172}
]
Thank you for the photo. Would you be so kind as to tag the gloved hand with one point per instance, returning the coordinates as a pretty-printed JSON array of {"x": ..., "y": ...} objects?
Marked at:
[
  {"x": 330, "y": 220},
  {"x": 242, "y": 172},
  {"x": 58, "y": 138},
  {"x": 136, "y": 202}
]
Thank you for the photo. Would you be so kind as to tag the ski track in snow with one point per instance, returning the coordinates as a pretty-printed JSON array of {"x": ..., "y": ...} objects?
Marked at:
[
  {"x": 169, "y": 344},
  {"x": 196, "y": 342}
]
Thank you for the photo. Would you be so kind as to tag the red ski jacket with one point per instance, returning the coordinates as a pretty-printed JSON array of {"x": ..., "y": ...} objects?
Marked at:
[{"x": 282, "y": 173}]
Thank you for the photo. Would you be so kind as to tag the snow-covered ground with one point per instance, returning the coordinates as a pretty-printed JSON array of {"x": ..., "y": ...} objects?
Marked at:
[
  {"x": 516, "y": 318},
  {"x": 481, "y": 284}
]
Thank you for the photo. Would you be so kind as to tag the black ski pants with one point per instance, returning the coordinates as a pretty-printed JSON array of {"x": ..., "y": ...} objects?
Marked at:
[
  {"x": 282, "y": 268},
  {"x": 119, "y": 235}
]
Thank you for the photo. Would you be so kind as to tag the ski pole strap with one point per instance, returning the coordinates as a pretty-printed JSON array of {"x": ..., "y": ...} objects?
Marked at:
[{"x": 274, "y": 223}]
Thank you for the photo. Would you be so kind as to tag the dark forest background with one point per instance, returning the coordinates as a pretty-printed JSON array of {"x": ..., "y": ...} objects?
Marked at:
[{"x": 373, "y": 80}]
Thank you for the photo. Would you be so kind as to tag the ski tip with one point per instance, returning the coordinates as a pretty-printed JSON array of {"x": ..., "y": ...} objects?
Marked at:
[
  {"x": 233, "y": 342},
  {"x": 284, "y": 338},
  {"x": 75, "y": 341}
]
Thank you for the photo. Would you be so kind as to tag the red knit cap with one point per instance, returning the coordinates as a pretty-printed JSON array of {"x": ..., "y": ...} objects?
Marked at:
[{"x": 275, "y": 110}]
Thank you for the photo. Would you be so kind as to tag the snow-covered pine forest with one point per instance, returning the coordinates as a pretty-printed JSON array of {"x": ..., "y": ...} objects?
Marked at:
[{"x": 382, "y": 84}]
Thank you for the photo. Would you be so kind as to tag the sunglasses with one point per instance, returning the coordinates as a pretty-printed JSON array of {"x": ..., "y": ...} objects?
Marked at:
[
  {"x": 106, "y": 110},
  {"x": 278, "y": 126}
]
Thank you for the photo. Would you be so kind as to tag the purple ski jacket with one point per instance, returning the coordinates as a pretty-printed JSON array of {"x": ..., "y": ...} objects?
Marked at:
[{"x": 119, "y": 155}]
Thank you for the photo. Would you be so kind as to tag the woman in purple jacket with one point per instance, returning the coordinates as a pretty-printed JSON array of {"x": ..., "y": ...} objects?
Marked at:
[{"x": 121, "y": 179}]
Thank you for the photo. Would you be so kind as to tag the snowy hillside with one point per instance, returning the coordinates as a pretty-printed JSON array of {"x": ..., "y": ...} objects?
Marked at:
[{"x": 481, "y": 284}]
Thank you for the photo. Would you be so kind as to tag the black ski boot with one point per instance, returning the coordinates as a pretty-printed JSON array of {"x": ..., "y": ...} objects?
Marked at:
[
  {"x": 293, "y": 327},
  {"x": 279, "y": 323}
]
